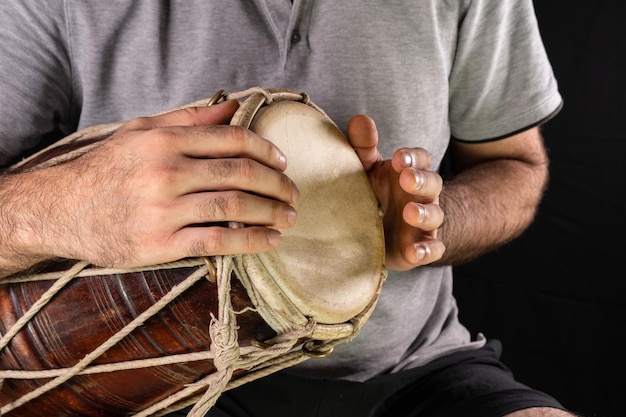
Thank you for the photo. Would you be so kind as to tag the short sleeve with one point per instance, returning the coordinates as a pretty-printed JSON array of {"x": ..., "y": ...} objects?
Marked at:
[
  {"x": 501, "y": 82},
  {"x": 35, "y": 75}
]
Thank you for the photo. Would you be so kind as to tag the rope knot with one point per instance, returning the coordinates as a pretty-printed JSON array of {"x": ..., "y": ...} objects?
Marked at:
[{"x": 225, "y": 345}]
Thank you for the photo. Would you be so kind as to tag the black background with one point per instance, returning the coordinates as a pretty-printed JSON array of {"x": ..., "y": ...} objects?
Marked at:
[{"x": 556, "y": 296}]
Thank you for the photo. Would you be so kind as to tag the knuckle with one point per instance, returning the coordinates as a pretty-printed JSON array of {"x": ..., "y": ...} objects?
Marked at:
[
  {"x": 213, "y": 209},
  {"x": 191, "y": 111},
  {"x": 160, "y": 176},
  {"x": 137, "y": 123},
  {"x": 165, "y": 136},
  {"x": 247, "y": 170},
  {"x": 212, "y": 244},
  {"x": 227, "y": 206},
  {"x": 220, "y": 170},
  {"x": 238, "y": 137},
  {"x": 277, "y": 212},
  {"x": 440, "y": 215},
  {"x": 285, "y": 186},
  {"x": 250, "y": 240},
  {"x": 424, "y": 157},
  {"x": 438, "y": 181},
  {"x": 225, "y": 171},
  {"x": 215, "y": 241},
  {"x": 235, "y": 204}
]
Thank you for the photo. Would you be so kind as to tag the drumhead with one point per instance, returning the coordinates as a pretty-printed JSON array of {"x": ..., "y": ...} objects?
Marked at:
[{"x": 330, "y": 264}]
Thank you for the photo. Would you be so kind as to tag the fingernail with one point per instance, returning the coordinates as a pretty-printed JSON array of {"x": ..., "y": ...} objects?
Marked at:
[
  {"x": 282, "y": 160},
  {"x": 291, "y": 216},
  {"x": 422, "y": 251},
  {"x": 274, "y": 237},
  {"x": 295, "y": 195},
  {"x": 419, "y": 179},
  {"x": 407, "y": 159},
  {"x": 421, "y": 213}
]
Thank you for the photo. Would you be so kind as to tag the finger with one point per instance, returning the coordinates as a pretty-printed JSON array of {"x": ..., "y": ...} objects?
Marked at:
[
  {"x": 416, "y": 158},
  {"x": 223, "y": 142},
  {"x": 427, "y": 217},
  {"x": 426, "y": 185},
  {"x": 413, "y": 253},
  {"x": 234, "y": 174},
  {"x": 235, "y": 206},
  {"x": 189, "y": 116},
  {"x": 208, "y": 241},
  {"x": 424, "y": 252},
  {"x": 363, "y": 137}
]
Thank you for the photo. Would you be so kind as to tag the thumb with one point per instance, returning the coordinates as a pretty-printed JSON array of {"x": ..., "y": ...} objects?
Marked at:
[
  {"x": 216, "y": 114},
  {"x": 363, "y": 137}
]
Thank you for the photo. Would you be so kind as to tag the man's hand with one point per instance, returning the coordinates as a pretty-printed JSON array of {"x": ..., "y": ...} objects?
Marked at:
[
  {"x": 409, "y": 196},
  {"x": 158, "y": 190}
]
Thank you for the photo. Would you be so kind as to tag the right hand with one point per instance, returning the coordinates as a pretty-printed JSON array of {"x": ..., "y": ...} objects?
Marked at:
[
  {"x": 408, "y": 193},
  {"x": 160, "y": 189}
]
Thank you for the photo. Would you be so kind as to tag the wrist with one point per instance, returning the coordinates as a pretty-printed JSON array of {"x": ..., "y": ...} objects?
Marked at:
[{"x": 21, "y": 226}]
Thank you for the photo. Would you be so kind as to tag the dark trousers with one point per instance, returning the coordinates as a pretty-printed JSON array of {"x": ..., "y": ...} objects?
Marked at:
[{"x": 464, "y": 384}]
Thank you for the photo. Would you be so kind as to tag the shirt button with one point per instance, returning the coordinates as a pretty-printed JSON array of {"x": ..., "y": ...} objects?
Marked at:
[{"x": 295, "y": 37}]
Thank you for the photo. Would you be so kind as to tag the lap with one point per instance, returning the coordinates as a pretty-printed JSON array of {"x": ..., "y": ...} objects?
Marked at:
[{"x": 470, "y": 383}]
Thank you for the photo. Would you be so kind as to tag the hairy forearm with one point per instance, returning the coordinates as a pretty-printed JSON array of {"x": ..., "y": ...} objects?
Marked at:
[
  {"x": 488, "y": 205},
  {"x": 19, "y": 220}
]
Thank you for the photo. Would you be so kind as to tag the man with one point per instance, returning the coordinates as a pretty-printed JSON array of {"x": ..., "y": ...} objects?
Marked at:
[{"x": 423, "y": 71}]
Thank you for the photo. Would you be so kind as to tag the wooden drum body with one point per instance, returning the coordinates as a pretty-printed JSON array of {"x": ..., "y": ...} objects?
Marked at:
[{"x": 78, "y": 340}]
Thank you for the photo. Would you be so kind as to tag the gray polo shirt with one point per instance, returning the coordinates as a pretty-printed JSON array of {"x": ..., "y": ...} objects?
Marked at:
[{"x": 425, "y": 70}]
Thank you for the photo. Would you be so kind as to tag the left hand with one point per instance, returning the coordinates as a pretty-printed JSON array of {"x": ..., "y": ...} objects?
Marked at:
[{"x": 408, "y": 192}]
